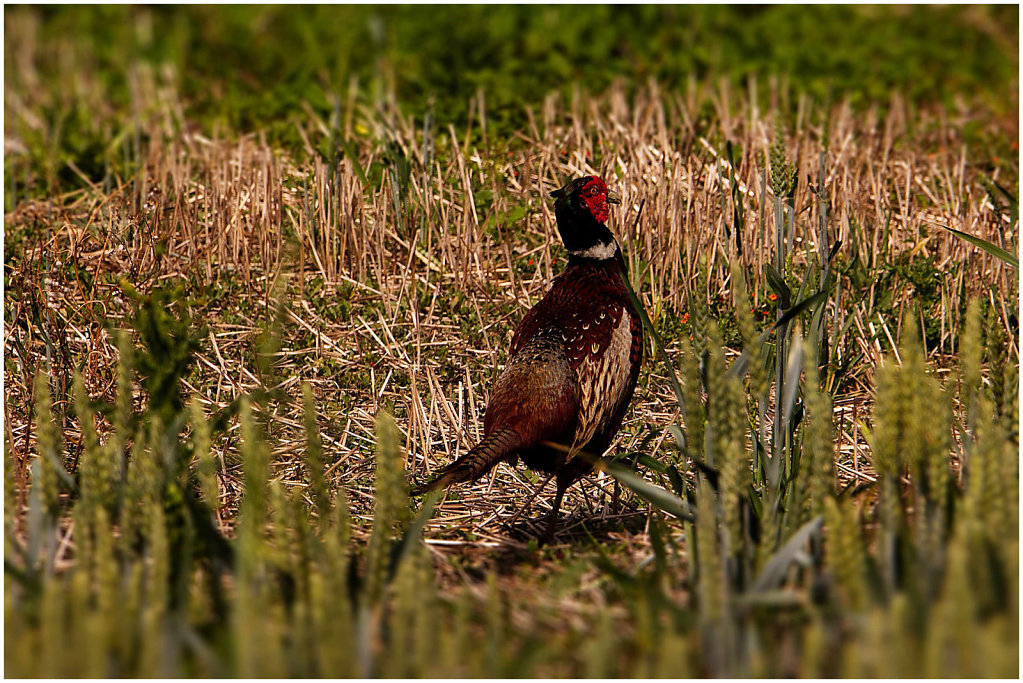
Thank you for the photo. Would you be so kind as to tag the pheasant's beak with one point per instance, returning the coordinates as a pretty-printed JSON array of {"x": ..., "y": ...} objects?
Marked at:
[{"x": 612, "y": 198}]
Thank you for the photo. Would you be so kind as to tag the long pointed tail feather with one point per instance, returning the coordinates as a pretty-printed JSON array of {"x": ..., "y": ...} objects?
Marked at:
[{"x": 477, "y": 462}]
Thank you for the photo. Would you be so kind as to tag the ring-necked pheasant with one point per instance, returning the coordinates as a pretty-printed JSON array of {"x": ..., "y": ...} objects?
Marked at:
[{"x": 574, "y": 359}]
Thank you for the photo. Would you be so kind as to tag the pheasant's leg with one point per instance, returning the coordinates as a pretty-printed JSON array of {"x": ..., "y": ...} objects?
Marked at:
[{"x": 552, "y": 517}]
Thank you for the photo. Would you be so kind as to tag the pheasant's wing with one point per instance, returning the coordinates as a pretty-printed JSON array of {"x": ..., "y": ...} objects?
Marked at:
[
  {"x": 537, "y": 395},
  {"x": 599, "y": 420}
]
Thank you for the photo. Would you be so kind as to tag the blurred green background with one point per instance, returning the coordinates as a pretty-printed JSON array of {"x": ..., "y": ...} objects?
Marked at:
[
  {"x": 251, "y": 68},
  {"x": 251, "y": 64}
]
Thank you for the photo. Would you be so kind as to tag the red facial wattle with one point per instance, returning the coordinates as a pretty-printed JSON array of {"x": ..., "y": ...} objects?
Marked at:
[{"x": 594, "y": 195}]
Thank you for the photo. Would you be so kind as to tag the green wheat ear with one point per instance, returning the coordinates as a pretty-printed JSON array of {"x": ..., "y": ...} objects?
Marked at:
[
  {"x": 892, "y": 398},
  {"x": 715, "y": 624},
  {"x": 90, "y": 466},
  {"x": 314, "y": 455},
  {"x": 783, "y": 174},
  {"x": 123, "y": 407},
  {"x": 206, "y": 465},
  {"x": 699, "y": 315},
  {"x": 845, "y": 551},
  {"x": 46, "y": 474},
  {"x": 926, "y": 444},
  {"x": 426, "y": 613},
  {"x": 817, "y": 460},
  {"x": 727, "y": 425},
  {"x": 992, "y": 480},
  {"x": 333, "y": 613},
  {"x": 695, "y": 414},
  {"x": 256, "y": 467},
  {"x": 971, "y": 351},
  {"x": 256, "y": 618},
  {"x": 53, "y": 627},
  {"x": 711, "y": 587},
  {"x": 926, "y": 411},
  {"x": 105, "y": 569},
  {"x": 951, "y": 641},
  {"x": 154, "y": 603},
  {"x": 715, "y": 378},
  {"x": 495, "y": 627},
  {"x": 251, "y": 605},
  {"x": 996, "y": 351},
  {"x": 674, "y": 656},
  {"x": 887, "y": 419},
  {"x": 391, "y": 501},
  {"x": 413, "y": 638}
]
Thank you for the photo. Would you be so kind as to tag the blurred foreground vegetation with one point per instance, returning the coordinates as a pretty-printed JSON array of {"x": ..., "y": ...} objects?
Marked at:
[{"x": 740, "y": 580}]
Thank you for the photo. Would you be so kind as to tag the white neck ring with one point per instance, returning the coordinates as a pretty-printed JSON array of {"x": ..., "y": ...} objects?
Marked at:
[{"x": 601, "y": 251}]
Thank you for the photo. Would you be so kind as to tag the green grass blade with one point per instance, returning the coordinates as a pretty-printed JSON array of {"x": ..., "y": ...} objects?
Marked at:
[
  {"x": 777, "y": 567},
  {"x": 990, "y": 248},
  {"x": 350, "y": 152},
  {"x": 777, "y": 283},
  {"x": 793, "y": 367},
  {"x": 651, "y": 493}
]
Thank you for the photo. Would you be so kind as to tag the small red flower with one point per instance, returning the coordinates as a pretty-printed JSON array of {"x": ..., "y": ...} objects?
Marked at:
[
  {"x": 772, "y": 297},
  {"x": 685, "y": 318}
]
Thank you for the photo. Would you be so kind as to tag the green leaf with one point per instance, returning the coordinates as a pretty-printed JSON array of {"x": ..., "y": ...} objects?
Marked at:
[
  {"x": 680, "y": 437},
  {"x": 992, "y": 249},
  {"x": 652, "y": 463},
  {"x": 676, "y": 479},
  {"x": 350, "y": 152},
  {"x": 773, "y": 573},
  {"x": 777, "y": 283},
  {"x": 793, "y": 368},
  {"x": 798, "y": 309},
  {"x": 655, "y": 495}
]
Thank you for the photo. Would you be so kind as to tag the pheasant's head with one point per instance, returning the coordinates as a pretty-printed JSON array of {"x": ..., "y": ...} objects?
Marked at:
[{"x": 581, "y": 208}]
